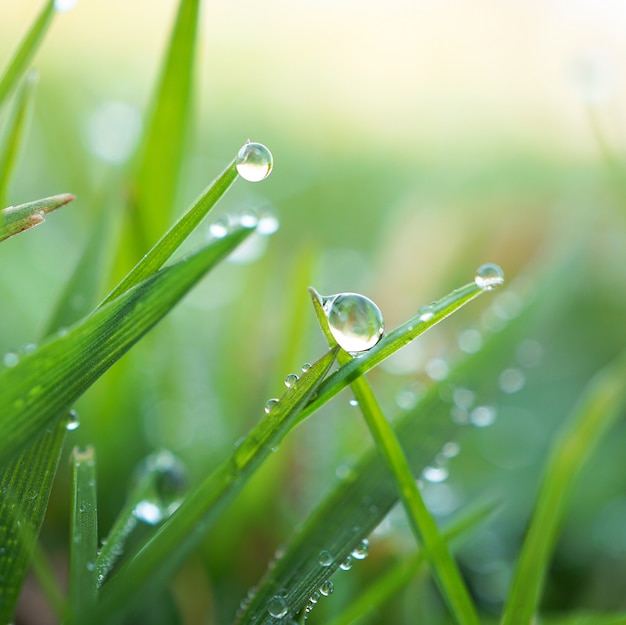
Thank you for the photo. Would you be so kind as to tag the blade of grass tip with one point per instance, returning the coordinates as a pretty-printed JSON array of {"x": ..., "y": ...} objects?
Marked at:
[
  {"x": 602, "y": 401},
  {"x": 398, "y": 576},
  {"x": 45, "y": 383},
  {"x": 25, "y": 52},
  {"x": 162, "y": 151},
  {"x": 22, "y": 500},
  {"x": 83, "y": 536},
  {"x": 175, "y": 236},
  {"x": 49, "y": 583},
  {"x": 423, "y": 525},
  {"x": 159, "y": 557},
  {"x": 15, "y": 131},
  {"x": 16, "y": 219}
]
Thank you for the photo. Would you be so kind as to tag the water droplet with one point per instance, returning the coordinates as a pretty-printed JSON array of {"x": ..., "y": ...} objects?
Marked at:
[
  {"x": 268, "y": 224},
  {"x": 248, "y": 219},
  {"x": 90, "y": 566},
  {"x": 437, "y": 369},
  {"x": 170, "y": 478},
  {"x": 426, "y": 313},
  {"x": 306, "y": 366},
  {"x": 219, "y": 229},
  {"x": 346, "y": 565},
  {"x": 72, "y": 422},
  {"x": 435, "y": 474},
  {"x": 451, "y": 449},
  {"x": 470, "y": 341},
  {"x": 463, "y": 398},
  {"x": 148, "y": 512},
  {"x": 355, "y": 321},
  {"x": 62, "y": 6},
  {"x": 277, "y": 606},
  {"x": 290, "y": 380},
  {"x": 353, "y": 402},
  {"x": 489, "y": 276},
  {"x": 361, "y": 551},
  {"x": 325, "y": 558},
  {"x": 29, "y": 348},
  {"x": 11, "y": 359},
  {"x": 270, "y": 404},
  {"x": 483, "y": 416},
  {"x": 254, "y": 162},
  {"x": 327, "y": 588},
  {"x": 511, "y": 381},
  {"x": 315, "y": 597},
  {"x": 529, "y": 353}
]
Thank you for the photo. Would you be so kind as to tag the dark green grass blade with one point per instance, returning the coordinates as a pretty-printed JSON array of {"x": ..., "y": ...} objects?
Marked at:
[
  {"x": 158, "y": 558},
  {"x": 16, "y": 219},
  {"x": 83, "y": 536},
  {"x": 45, "y": 384},
  {"x": 397, "y": 577},
  {"x": 15, "y": 131},
  {"x": 25, "y": 52},
  {"x": 422, "y": 523},
  {"x": 602, "y": 401},
  {"x": 162, "y": 151}
]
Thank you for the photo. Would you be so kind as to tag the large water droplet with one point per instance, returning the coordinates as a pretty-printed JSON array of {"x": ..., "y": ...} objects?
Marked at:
[
  {"x": 355, "y": 321},
  {"x": 277, "y": 606},
  {"x": 254, "y": 162},
  {"x": 489, "y": 276},
  {"x": 148, "y": 511},
  {"x": 361, "y": 551},
  {"x": 290, "y": 380},
  {"x": 270, "y": 404},
  {"x": 327, "y": 588},
  {"x": 325, "y": 558},
  {"x": 72, "y": 422}
]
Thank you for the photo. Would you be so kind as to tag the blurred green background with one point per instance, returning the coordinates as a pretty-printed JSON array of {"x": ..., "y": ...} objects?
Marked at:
[{"x": 413, "y": 141}]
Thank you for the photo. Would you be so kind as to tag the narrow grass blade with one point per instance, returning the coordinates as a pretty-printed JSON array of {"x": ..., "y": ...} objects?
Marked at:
[
  {"x": 15, "y": 131},
  {"x": 591, "y": 618},
  {"x": 83, "y": 536},
  {"x": 24, "y": 54},
  {"x": 162, "y": 150},
  {"x": 602, "y": 401},
  {"x": 16, "y": 219},
  {"x": 44, "y": 384},
  {"x": 423, "y": 525},
  {"x": 159, "y": 557},
  {"x": 175, "y": 236},
  {"x": 377, "y": 594}
]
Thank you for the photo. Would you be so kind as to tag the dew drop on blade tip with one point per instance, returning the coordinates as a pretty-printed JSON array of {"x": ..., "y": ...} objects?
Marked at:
[
  {"x": 254, "y": 162},
  {"x": 489, "y": 276}
]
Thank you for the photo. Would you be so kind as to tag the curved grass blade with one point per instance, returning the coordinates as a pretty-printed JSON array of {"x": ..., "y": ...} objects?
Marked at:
[
  {"x": 83, "y": 536},
  {"x": 25, "y": 52},
  {"x": 162, "y": 150},
  {"x": 398, "y": 576},
  {"x": 155, "y": 561},
  {"x": 46, "y": 383},
  {"x": 602, "y": 401},
  {"x": 16, "y": 219},
  {"x": 15, "y": 130},
  {"x": 422, "y": 523}
]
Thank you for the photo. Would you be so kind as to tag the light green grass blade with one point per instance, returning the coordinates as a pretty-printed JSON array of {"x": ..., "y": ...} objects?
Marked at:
[
  {"x": 16, "y": 219},
  {"x": 83, "y": 536},
  {"x": 25, "y": 52},
  {"x": 162, "y": 151},
  {"x": 175, "y": 236},
  {"x": 44, "y": 384},
  {"x": 15, "y": 131},
  {"x": 397, "y": 577},
  {"x": 602, "y": 401},
  {"x": 423, "y": 525},
  {"x": 155, "y": 561}
]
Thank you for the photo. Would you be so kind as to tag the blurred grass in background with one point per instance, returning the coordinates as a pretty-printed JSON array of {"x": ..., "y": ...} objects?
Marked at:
[{"x": 412, "y": 142}]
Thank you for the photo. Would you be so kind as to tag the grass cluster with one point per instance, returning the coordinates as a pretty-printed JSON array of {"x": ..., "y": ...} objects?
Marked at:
[{"x": 125, "y": 561}]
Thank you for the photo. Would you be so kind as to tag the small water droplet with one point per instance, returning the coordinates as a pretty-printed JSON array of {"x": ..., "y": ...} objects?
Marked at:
[
  {"x": 511, "y": 381},
  {"x": 489, "y": 276},
  {"x": 353, "y": 402},
  {"x": 29, "y": 348},
  {"x": 219, "y": 229},
  {"x": 435, "y": 474},
  {"x": 72, "y": 422},
  {"x": 148, "y": 512},
  {"x": 437, "y": 369},
  {"x": 290, "y": 380},
  {"x": 327, "y": 588},
  {"x": 269, "y": 405},
  {"x": 470, "y": 341},
  {"x": 354, "y": 320},
  {"x": 451, "y": 449},
  {"x": 346, "y": 565},
  {"x": 254, "y": 162},
  {"x": 325, "y": 558},
  {"x": 361, "y": 551},
  {"x": 306, "y": 366},
  {"x": 277, "y": 606},
  {"x": 248, "y": 219},
  {"x": 483, "y": 416},
  {"x": 62, "y": 6},
  {"x": 315, "y": 597},
  {"x": 90, "y": 566},
  {"x": 11, "y": 359},
  {"x": 426, "y": 313}
]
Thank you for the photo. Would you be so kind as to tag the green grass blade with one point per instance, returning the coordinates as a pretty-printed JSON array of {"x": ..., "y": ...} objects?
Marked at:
[
  {"x": 44, "y": 384},
  {"x": 16, "y": 219},
  {"x": 377, "y": 594},
  {"x": 175, "y": 236},
  {"x": 49, "y": 583},
  {"x": 600, "y": 404},
  {"x": 83, "y": 536},
  {"x": 423, "y": 525},
  {"x": 159, "y": 557},
  {"x": 591, "y": 618},
  {"x": 15, "y": 131},
  {"x": 25, "y": 52},
  {"x": 162, "y": 150}
]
